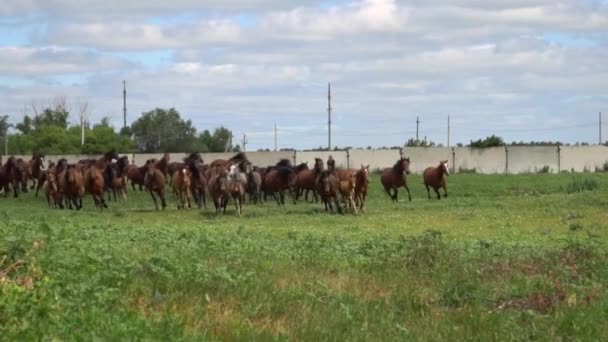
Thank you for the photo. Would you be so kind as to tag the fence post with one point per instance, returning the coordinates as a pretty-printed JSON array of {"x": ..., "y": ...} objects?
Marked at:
[
  {"x": 453, "y": 160},
  {"x": 295, "y": 162},
  {"x": 347, "y": 159},
  {"x": 401, "y": 153},
  {"x": 506, "y": 160}
]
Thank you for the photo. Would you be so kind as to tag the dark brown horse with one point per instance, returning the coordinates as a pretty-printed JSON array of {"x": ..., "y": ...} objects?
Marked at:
[
  {"x": 22, "y": 177},
  {"x": 218, "y": 188},
  {"x": 7, "y": 176},
  {"x": 361, "y": 186},
  {"x": 115, "y": 177},
  {"x": 306, "y": 180},
  {"x": 434, "y": 177},
  {"x": 71, "y": 186},
  {"x": 37, "y": 171},
  {"x": 277, "y": 180},
  {"x": 136, "y": 175},
  {"x": 155, "y": 183},
  {"x": 254, "y": 185},
  {"x": 328, "y": 187},
  {"x": 163, "y": 164},
  {"x": 395, "y": 177}
]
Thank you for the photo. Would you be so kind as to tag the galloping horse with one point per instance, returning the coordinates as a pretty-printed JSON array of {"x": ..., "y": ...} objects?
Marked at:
[
  {"x": 71, "y": 186},
  {"x": 218, "y": 188},
  {"x": 51, "y": 189},
  {"x": 237, "y": 181},
  {"x": 181, "y": 187},
  {"x": 237, "y": 158},
  {"x": 198, "y": 183},
  {"x": 136, "y": 175},
  {"x": 163, "y": 164},
  {"x": 94, "y": 183},
  {"x": 434, "y": 177},
  {"x": 361, "y": 186},
  {"x": 6, "y": 176},
  {"x": 155, "y": 183},
  {"x": 306, "y": 180},
  {"x": 36, "y": 171},
  {"x": 394, "y": 178},
  {"x": 347, "y": 190},
  {"x": 328, "y": 187},
  {"x": 278, "y": 180},
  {"x": 254, "y": 185}
]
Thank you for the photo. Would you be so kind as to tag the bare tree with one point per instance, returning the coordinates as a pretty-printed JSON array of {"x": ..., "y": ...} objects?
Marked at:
[{"x": 83, "y": 114}]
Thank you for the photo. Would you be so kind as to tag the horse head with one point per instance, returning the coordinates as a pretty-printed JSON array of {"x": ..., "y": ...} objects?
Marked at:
[
  {"x": 318, "y": 165},
  {"x": 405, "y": 165},
  {"x": 111, "y": 155},
  {"x": 71, "y": 174},
  {"x": 444, "y": 166}
]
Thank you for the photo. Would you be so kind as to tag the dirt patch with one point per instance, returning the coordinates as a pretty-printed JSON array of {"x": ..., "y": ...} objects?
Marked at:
[{"x": 540, "y": 302}]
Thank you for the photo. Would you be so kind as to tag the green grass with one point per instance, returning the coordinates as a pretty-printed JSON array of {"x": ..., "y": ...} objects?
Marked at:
[{"x": 503, "y": 258}]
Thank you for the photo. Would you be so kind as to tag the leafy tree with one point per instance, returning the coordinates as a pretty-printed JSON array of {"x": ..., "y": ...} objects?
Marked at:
[
  {"x": 419, "y": 143},
  {"x": 163, "y": 130},
  {"x": 491, "y": 141}
]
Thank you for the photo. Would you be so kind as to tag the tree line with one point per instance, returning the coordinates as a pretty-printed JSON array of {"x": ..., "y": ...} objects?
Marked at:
[{"x": 156, "y": 131}]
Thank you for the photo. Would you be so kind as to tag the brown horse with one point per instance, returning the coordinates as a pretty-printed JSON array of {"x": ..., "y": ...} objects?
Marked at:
[
  {"x": 136, "y": 175},
  {"x": 94, "y": 184},
  {"x": 163, "y": 164},
  {"x": 22, "y": 177},
  {"x": 237, "y": 181},
  {"x": 181, "y": 187},
  {"x": 237, "y": 158},
  {"x": 254, "y": 185},
  {"x": 155, "y": 183},
  {"x": 306, "y": 180},
  {"x": 395, "y": 177},
  {"x": 51, "y": 189},
  {"x": 328, "y": 187},
  {"x": 71, "y": 185},
  {"x": 198, "y": 182},
  {"x": 218, "y": 188},
  {"x": 347, "y": 191},
  {"x": 174, "y": 167},
  {"x": 36, "y": 169},
  {"x": 361, "y": 186},
  {"x": 7, "y": 176},
  {"x": 434, "y": 177},
  {"x": 115, "y": 177},
  {"x": 278, "y": 180}
]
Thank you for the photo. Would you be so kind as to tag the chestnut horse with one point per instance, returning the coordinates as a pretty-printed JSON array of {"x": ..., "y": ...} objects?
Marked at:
[
  {"x": 237, "y": 158},
  {"x": 395, "y": 177},
  {"x": 361, "y": 186},
  {"x": 347, "y": 190},
  {"x": 7, "y": 172},
  {"x": 434, "y": 177},
  {"x": 51, "y": 189},
  {"x": 237, "y": 181},
  {"x": 71, "y": 185},
  {"x": 181, "y": 187},
  {"x": 328, "y": 187},
  {"x": 94, "y": 184},
  {"x": 154, "y": 180},
  {"x": 306, "y": 180},
  {"x": 136, "y": 175},
  {"x": 163, "y": 164}
]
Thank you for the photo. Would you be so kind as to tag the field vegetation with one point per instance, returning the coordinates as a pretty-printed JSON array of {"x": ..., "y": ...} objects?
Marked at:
[{"x": 503, "y": 258}]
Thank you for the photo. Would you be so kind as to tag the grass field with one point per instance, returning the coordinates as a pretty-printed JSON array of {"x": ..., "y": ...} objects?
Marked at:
[{"x": 503, "y": 258}]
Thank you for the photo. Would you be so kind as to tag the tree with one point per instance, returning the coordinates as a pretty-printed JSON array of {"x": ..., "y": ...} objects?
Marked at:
[
  {"x": 419, "y": 143},
  {"x": 163, "y": 130},
  {"x": 491, "y": 141}
]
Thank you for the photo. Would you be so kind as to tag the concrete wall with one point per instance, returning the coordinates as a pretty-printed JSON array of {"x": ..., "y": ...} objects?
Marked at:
[
  {"x": 483, "y": 160},
  {"x": 521, "y": 159},
  {"x": 583, "y": 158},
  {"x": 526, "y": 159},
  {"x": 377, "y": 159}
]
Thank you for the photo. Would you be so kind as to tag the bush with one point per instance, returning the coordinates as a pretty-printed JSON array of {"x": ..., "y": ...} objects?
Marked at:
[
  {"x": 580, "y": 184},
  {"x": 544, "y": 169}
]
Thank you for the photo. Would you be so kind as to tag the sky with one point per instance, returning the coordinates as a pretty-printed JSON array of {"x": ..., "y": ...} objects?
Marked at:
[{"x": 520, "y": 69}]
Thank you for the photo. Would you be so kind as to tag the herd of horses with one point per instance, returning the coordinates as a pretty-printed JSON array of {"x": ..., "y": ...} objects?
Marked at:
[{"x": 191, "y": 180}]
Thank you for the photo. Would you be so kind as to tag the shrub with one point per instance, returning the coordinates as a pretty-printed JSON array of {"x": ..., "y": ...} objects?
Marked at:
[{"x": 580, "y": 184}]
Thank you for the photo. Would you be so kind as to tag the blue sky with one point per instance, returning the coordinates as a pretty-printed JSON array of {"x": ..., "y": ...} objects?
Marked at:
[{"x": 525, "y": 70}]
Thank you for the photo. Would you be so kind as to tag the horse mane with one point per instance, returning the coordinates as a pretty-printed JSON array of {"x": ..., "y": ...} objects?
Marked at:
[
  {"x": 284, "y": 172},
  {"x": 195, "y": 156},
  {"x": 121, "y": 163},
  {"x": 239, "y": 157},
  {"x": 398, "y": 164},
  {"x": 302, "y": 166},
  {"x": 284, "y": 163}
]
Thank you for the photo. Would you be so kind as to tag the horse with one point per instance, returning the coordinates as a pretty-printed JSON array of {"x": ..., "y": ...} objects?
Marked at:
[
  {"x": 347, "y": 191},
  {"x": 181, "y": 187},
  {"x": 71, "y": 186},
  {"x": 395, "y": 177},
  {"x": 331, "y": 164},
  {"x": 163, "y": 164},
  {"x": 174, "y": 167},
  {"x": 328, "y": 187},
  {"x": 237, "y": 181},
  {"x": 254, "y": 185},
  {"x": 306, "y": 180},
  {"x": 136, "y": 175},
  {"x": 218, "y": 189},
  {"x": 7, "y": 172},
  {"x": 236, "y": 159},
  {"x": 277, "y": 181},
  {"x": 95, "y": 185},
  {"x": 51, "y": 189},
  {"x": 198, "y": 182},
  {"x": 22, "y": 177},
  {"x": 36, "y": 170},
  {"x": 361, "y": 186},
  {"x": 154, "y": 180},
  {"x": 115, "y": 177},
  {"x": 434, "y": 177}
]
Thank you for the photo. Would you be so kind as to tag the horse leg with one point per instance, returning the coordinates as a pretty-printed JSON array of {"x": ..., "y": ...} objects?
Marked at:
[
  {"x": 437, "y": 192},
  {"x": 428, "y": 191},
  {"x": 445, "y": 191},
  {"x": 337, "y": 203},
  {"x": 38, "y": 186},
  {"x": 162, "y": 200},
  {"x": 396, "y": 194},
  {"x": 274, "y": 196},
  {"x": 409, "y": 194},
  {"x": 154, "y": 199},
  {"x": 282, "y": 196}
]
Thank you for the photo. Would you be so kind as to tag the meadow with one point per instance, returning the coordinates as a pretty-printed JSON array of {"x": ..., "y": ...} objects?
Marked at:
[{"x": 502, "y": 258}]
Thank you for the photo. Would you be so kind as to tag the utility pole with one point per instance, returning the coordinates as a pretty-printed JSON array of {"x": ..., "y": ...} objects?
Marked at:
[
  {"x": 124, "y": 103},
  {"x": 275, "y": 136},
  {"x": 83, "y": 108},
  {"x": 245, "y": 142},
  {"x": 329, "y": 116},
  {"x": 601, "y": 142},
  {"x": 449, "y": 131},
  {"x": 417, "y": 125}
]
